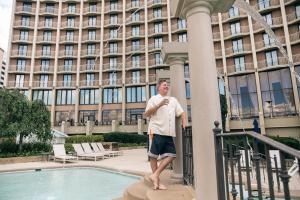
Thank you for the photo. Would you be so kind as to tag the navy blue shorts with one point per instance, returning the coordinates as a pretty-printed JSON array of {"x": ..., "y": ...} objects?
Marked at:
[{"x": 162, "y": 145}]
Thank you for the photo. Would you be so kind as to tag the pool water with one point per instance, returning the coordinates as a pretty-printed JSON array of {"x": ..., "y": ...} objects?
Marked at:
[{"x": 64, "y": 184}]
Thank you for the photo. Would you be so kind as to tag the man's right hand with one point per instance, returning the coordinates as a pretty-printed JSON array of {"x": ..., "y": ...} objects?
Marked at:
[{"x": 165, "y": 101}]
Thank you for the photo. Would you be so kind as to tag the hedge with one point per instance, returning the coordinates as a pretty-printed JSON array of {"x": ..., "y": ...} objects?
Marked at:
[
  {"x": 84, "y": 138},
  {"x": 291, "y": 142},
  {"x": 125, "y": 138}
]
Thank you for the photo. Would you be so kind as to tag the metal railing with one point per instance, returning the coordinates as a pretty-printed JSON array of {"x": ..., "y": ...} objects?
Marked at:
[
  {"x": 247, "y": 168},
  {"x": 188, "y": 165}
]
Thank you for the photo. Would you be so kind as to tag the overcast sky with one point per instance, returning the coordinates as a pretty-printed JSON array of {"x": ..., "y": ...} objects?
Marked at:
[{"x": 5, "y": 15}]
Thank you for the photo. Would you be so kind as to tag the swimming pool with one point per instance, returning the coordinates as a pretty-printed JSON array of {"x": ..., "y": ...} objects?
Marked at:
[{"x": 64, "y": 184}]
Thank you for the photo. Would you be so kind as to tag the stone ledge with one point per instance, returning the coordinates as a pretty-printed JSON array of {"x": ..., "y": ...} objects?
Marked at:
[{"x": 25, "y": 159}]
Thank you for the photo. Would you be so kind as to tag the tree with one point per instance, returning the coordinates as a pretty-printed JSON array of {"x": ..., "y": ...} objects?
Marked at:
[
  {"x": 223, "y": 110},
  {"x": 19, "y": 116}
]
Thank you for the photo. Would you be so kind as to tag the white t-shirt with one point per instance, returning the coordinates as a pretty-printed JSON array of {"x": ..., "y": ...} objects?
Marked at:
[{"x": 163, "y": 121}]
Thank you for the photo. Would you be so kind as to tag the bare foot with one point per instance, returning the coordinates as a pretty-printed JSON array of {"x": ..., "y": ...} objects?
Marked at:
[
  {"x": 155, "y": 181},
  {"x": 162, "y": 186}
]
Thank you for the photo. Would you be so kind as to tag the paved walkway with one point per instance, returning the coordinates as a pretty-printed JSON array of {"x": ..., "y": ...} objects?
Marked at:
[{"x": 132, "y": 161}]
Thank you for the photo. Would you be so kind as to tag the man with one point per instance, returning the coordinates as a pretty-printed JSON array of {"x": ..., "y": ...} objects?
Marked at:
[{"x": 162, "y": 110}]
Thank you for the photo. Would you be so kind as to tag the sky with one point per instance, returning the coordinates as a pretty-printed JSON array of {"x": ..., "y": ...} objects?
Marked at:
[{"x": 5, "y": 15}]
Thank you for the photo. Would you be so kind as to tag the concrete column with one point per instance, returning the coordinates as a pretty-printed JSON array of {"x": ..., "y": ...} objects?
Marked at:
[
  {"x": 113, "y": 126},
  {"x": 140, "y": 126}
]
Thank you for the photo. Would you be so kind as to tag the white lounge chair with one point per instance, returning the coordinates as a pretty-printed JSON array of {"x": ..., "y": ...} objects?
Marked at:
[
  {"x": 87, "y": 149},
  {"x": 97, "y": 150},
  {"x": 80, "y": 153},
  {"x": 114, "y": 153},
  {"x": 243, "y": 159},
  {"x": 60, "y": 153},
  {"x": 274, "y": 153}
]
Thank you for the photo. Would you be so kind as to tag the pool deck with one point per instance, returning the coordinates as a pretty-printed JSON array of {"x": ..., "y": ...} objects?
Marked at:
[{"x": 132, "y": 161}]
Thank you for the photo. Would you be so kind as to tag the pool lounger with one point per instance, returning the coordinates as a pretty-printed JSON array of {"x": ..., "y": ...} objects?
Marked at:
[
  {"x": 109, "y": 151},
  {"x": 60, "y": 153},
  {"x": 87, "y": 149},
  {"x": 97, "y": 150},
  {"x": 82, "y": 154}
]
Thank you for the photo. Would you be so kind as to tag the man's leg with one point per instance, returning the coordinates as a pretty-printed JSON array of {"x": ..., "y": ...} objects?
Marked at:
[{"x": 153, "y": 164}]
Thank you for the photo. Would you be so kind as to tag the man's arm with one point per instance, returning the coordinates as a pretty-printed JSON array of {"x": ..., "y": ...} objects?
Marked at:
[
  {"x": 151, "y": 111},
  {"x": 183, "y": 120}
]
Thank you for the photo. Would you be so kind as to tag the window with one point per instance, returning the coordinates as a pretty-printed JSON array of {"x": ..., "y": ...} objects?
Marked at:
[
  {"x": 113, "y": 5},
  {"x": 92, "y": 21},
  {"x": 113, "y": 63},
  {"x": 237, "y": 45},
  {"x": 112, "y": 95},
  {"x": 109, "y": 115},
  {"x": 135, "y": 94},
  {"x": 92, "y": 35},
  {"x": 239, "y": 63},
  {"x": 271, "y": 58},
  {"x": 113, "y": 19},
  {"x": 135, "y": 3},
  {"x": 158, "y": 27},
  {"x": 71, "y": 8},
  {"x": 113, "y": 33},
  {"x": 46, "y": 50},
  {"x": 135, "y": 45},
  {"x": 132, "y": 115},
  {"x": 182, "y": 37},
  {"x": 70, "y": 21},
  {"x": 45, "y": 65},
  {"x": 136, "y": 75},
  {"x": 158, "y": 42},
  {"x": 135, "y": 30},
  {"x": 263, "y": 4},
  {"x": 67, "y": 116},
  {"x": 112, "y": 78},
  {"x": 90, "y": 64},
  {"x": 49, "y": 7},
  {"x": 235, "y": 28},
  {"x": 152, "y": 90},
  {"x": 244, "y": 95},
  {"x": 89, "y": 96},
  {"x": 24, "y": 35},
  {"x": 181, "y": 23},
  {"x": 267, "y": 40},
  {"x": 135, "y": 61},
  {"x": 277, "y": 93},
  {"x": 22, "y": 49},
  {"x": 44, "y": 80},
  {"x": 47, "y": 36},
  {"x": 157, "y": 59},
  {"x": 91, "y": 49},
  {"x": 65, "y": 97},
  {"x": 186, "y": 71},
  {"x": 67, "y": 80},
  {"x": 20, "y": 80},
  {"x": 68, "y": 64},
  {"x": 92, "y": 7},
  {"x": 221, "y": 86},
  {"x": 298, "y": 11},
  {"x": 21, "y": 64},
  {"x": 70, "y": 36},
  {"x": 90, "y": 79},
  {"x": 187, "y": 90},
  {"x": 87, "y": 115},
  {"x": 135, "y": 16},
  {"x": 268, "y": 18},
  {"x": 233, "y": 12},
  {"x": 69, "y": 50},
  {"x": 25, "y": 21},
  {"x": 157, "y": 12},
  {"x": 48, "y": 22},
  {"x": 113, "y": 47},
  {"x": 43, "y": 95},
  {"x": 27, "y": 7}
]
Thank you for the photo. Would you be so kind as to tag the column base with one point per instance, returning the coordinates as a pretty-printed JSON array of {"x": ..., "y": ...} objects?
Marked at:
[{"x": 177, "y": 178}]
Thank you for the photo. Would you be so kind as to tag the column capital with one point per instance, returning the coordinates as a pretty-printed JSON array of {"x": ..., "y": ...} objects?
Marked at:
[
  {"x": 182, "y": 8},
  {"x": 174, "y": 53}
]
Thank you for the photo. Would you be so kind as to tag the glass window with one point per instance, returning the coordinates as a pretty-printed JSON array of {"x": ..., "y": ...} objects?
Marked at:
[
  {"x": 235, "y": 28},
  {"x": 271, "y": 58},
  {"x": 239, "y": 63},
  {"x": 157, "y": 12},
  {"x": 268, "y": 41},
  {"x": 263, "y": 4},
  {"x": 68, "y": 64},
  {"x": 113, "y": 19},
  {"x": 237, "y": 45},
  {"x": 45, "y": 64},
  {"x": 22, "y": 50},
  {"x": 113, "y": 63},
  {"x": 298, "y": 11},
  {"x": 91, "y": 34},
  {"x": 186, "y": 71},
  {"x": 24, "y": 35},
  {"x": 112, "y": 78},
  {"x": 135, "y": 45},
  {"x": 268, "y": 18},
  {"x": 181, "y": 24},
  {"x": 70, "y": 21},
  {"x": 90, "y": 64},
  {"x": 20, "y": 80},
  {"x": 135, "y": 94},
  {"x": 135, "y": 61},
  {"x": 92, "y": 21},
  {"x": 233, "y": 12},
  {"x": 25, "y": 21},
  {"x": 182, "y": 37},
  {"x": 135, "y": 3},
  {"x": 157, "y": 59},
  {"x": 135, "y": 16},
  {"x": 114, "y": 5},
  {"x": 21, "y": 65},
  {"x": 46, "y": 50},
  {"x": 187, "y": 90},
  {"x": 113, "y": 47},
  {"x": 135, "y": 30},
  {"x": 43, "y": 95},
  {"x": 112, "y": 95},
  {"x": 113, "y": 33},
  {"x": 153, "y": 90},
  {"x": 91, "y": 49},
  {"x": 70, "y": 35},
  {"x": 69, "y": 50},
  {"x": 92, "y": 7},
  {"x": 67, "y": 79},
  {"x": 49, "y": 7},
  {"x": 132, "y": 116},
  {"x": 90, "y": 79},
  {"x": 158, "y": 27},
  {"x": 158, "y": 42},
  {"x": 48, "y": 22},
  {"x": 71, "y": 8},
  {"x": 27, "y": 7},
  {"x": 47, "y": 35},
  {"x": 136, "y": 76},
  {"x": 89, "y": 96},
  {"x": 44, "y": 80}
]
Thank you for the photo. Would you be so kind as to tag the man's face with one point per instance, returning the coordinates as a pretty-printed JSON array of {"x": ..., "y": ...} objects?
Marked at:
[{"x": 163, "y": 88}]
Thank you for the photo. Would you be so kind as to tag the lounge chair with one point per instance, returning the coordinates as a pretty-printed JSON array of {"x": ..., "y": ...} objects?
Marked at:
[
  {"x": 274, "y": 153},
  {"x": 87, "y": 149},
  {"x": 108, "y": 151},
  {"x": 243, "y": 159},
  {"x": 81, "y": 154},
  {"x": 97, "y": 150},
  {"x": 60, "y": 153}
]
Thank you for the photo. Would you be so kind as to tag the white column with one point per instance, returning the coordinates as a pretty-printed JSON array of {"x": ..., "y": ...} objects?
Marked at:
[{"x": 205, "y": 99}]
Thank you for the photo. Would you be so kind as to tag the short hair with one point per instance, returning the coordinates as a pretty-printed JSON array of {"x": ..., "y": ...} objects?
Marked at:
[{"x": 161, "y": 81}]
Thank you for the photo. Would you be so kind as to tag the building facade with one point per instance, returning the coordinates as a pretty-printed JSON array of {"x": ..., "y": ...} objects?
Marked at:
[
  {"x": 93, "y": 60},
  {"x": 2, "y": 68}
]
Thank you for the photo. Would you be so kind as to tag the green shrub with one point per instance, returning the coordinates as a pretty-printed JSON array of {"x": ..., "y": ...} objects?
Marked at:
[
  {"x": 84, "y": 138},
  {"x": 125, "y": 138},
  {"x": 69, "y": 147},
  {"x": 291, "y": 142},
  {"x": 131, "y": 144}
]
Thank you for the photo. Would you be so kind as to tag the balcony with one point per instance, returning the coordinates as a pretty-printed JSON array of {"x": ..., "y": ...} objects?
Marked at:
[
  {"x": 218, "y": 53},
  {"x": 117, "y": 36},
  {"x": 48, "y": 11},
  {"x": 287, "y": 2},
  {"x": 135, "y": 20},
  {"x": 178, "y": 28},
  {"x": 17, "y": 84},
  {"x": 295, "y": 38},
  {"x": 90, "y": 52},
  {"x": 133, "y": 65},
  {"x": 155, "y": 63},
  {"x": 155, "y": 32},
  {"x": 114, "y": 51},
  {"x": 156, "y": 3},
  {"x": 113, "y": 8},
  {"x": 113, "y": 23},
  {"x": 17, "y": 53},
  {"x": 90, "y": 38},
  {"x": 241, "y": 68},
  {"x": 45, "y": 54},
  {"x": 152, "y": 78},
  {"x": 68, "y": 11},
  {"x": 154, "y": 47},
  {"x": 135, "y": 34},
  {"x": 69, "y": 39},
  {"x": 226, "y": 17},
  {"x": 24, "y": 24},
  {"x": 112, "y": 82},
  {"x": 267, "y": 5},
  {"x": 243, "y": 49},
  {"x": 135, "y": 80},
  {"x": 22, "y": 38},
  {"x": 19, "y": 69},
  {"x": 42, "y": 84},
  {"x": 25, "y": 10},
  {"x": 135, "y": 49},
  {"x": 47, "y": 25},
  {"x": 244, "y": 30},
  {"x": 261, "y": 46},
  {"x": 276, "y": 22},
  {"x": 91, "y": 24},
  {"x": 89, "y": 68},
  {"x": 215, "y": 19},
  {"x": 89, "y": 83},
  {"x": 69, "y": 54},
  {"x": 43, "y": 69},
  {"x": 66, "y": 84},
  {"x": 216, "y": 36},
  {"x": 93, "y": 11},
  {"x": 133, "y": 5},
  {"x": 70, "y": 25},
  {"x": 279, "y": 62},
  {"x": 292, "y": 18},
  {"x": 153, "y": 17},
  {"x": 108, "y": 67},
  {"x": 67, "y": 69},
  {"x": 296, "y": 58}
]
